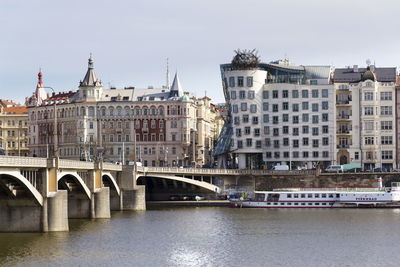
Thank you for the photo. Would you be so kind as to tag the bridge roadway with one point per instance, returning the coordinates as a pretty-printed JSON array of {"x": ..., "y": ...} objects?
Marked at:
[{"x": 40, "y": 195}]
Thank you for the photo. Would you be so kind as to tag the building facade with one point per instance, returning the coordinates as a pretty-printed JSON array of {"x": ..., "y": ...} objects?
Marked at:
[
  {"x": 278, "y": 113},
  {"x": 167, "y": 126},
  {"x": 13, "y": 129},
  {"x": 365, "y": 116}
]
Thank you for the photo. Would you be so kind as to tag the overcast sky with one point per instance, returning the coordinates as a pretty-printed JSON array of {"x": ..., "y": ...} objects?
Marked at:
[{"x": 130, "y": 40}]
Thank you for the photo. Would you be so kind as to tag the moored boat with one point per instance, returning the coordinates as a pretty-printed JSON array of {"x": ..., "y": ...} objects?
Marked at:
[{"x": 377, "y": 197}]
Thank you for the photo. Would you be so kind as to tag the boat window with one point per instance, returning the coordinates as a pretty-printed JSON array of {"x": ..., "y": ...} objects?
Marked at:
[
  {"x": 303, "y": 195},
  {"x": 282, "y": 203},
  {"x": 303, "y": 204},
  {"x": 296, "y": 195},
  {"x": 289, "y": 195},
  {"x": 269, "y": 203},
  {"x": 259, "y": 197},
  {"x": 309, "y": 204},
  {"x": 296, "y": 204},
  {"x": 316, "y": 195},
  {"x": 273, "y": 197},
  {"x": 331, "y": 195},
  {"x": 323, "y": 204},
  {"x": 323, "y": 195},
  {"x": 316, "y": 204},
  {"x": 309, "y": 196},
  {"x": 275, "y": 203},
  {"x": 289, "y": 204}
]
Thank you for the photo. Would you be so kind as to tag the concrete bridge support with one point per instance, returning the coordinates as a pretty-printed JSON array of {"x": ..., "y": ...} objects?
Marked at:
[
  {"x": 134, "y": 199},
  {"x": 101, "y": 201}
]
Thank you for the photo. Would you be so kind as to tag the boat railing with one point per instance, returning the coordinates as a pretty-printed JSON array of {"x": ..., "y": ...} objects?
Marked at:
[{"x": 338, "y": 189}]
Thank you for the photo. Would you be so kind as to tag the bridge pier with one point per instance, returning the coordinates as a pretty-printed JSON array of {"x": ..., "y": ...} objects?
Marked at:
[
  {"x": 101, "y": 201},
  {"x": 134, "y": 199}
]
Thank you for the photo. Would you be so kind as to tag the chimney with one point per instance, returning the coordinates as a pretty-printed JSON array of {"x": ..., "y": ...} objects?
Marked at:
[{"x": 355, "y": 68}]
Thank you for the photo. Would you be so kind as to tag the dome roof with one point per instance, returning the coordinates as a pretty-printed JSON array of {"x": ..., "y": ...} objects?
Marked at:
[
  {"x": 185, "y": 98},
  {"x": 368, "y": 75}
]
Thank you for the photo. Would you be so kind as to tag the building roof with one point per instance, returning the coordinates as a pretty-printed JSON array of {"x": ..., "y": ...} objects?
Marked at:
[
  {"x": 176, "y": 88},
  {"x": 90, "y": 77},
  {"x": 8, "y": 103},
  {"x": 352, "y": 75},
  {"x": 15, "y": 110}
]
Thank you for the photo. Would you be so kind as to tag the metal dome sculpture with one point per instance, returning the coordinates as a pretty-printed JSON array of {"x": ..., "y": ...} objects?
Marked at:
[{"x": 245, "y": 59}]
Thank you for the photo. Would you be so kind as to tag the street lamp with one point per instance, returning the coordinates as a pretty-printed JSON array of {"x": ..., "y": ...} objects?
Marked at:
[{"x": 55, "y": 135}]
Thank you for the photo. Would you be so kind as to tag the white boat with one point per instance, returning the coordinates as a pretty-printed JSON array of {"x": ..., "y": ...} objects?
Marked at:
[{"x": 376, "y": 197}]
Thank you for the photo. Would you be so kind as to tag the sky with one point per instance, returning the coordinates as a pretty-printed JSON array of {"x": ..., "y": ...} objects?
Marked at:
[{"x": 131, "y": 40}]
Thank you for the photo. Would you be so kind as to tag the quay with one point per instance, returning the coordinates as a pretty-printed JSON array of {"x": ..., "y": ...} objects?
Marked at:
[{"x": 190, "y": 203}]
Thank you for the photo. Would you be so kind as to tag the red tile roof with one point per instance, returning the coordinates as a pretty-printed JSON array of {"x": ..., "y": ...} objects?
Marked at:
[{"x": 16, "y": 110}]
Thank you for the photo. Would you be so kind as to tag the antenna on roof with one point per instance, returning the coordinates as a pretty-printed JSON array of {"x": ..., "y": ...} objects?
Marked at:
[{"x": 167, "y": 85}]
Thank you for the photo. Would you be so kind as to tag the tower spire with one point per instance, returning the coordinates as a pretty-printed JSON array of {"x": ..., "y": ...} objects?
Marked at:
[{"x": 40, "y": 79}]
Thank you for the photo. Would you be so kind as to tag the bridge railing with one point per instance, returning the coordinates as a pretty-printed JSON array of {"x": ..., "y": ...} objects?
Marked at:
[
  {"x": 222, "y": 171},
  {"x": 10, "y": 161},
  {"x": 75, "y": 164},
  {"x": 111, "y": 167}
]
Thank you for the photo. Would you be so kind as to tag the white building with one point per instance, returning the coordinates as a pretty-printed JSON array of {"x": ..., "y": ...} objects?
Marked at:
[
  {"x": 279, "y": 114},
  {"x": 366, "y": 125}
]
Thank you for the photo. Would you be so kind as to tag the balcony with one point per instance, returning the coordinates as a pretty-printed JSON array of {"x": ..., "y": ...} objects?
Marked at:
[
  {"x": 343, "y": 117},
  {"x": 343, "y": 102},
  {"x": 343, "y": 131},
  {"x": 343, "y": 146}
]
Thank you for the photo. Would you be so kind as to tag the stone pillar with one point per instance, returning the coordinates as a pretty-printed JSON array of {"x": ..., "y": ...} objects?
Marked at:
[
  {"x": 101, "y": 199},
  {"x": 57, "y": 210},
  {"x": 20, "y": 215},
  {"x": 115, "y": 201},
  {"x": 134, "y": 199}
]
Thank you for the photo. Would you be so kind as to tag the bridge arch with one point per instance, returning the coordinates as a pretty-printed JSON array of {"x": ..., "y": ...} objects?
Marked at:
[
  {"x": 21, "y": 180},
  {"x": 78, "y": 180},
  {"x": 201, "y": 184},
  {"x": 109, "y": 178}
]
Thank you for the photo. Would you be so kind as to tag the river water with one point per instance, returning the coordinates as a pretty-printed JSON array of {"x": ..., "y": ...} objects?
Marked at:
[{"x": 216, "y": 237}]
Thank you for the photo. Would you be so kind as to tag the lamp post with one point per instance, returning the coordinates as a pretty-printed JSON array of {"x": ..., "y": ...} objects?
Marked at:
[{"x": 55, "y": 135}]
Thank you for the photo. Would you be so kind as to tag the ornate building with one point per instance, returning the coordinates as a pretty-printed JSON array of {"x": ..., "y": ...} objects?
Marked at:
[
  {"x": 171, "y": 127},
  {"x": 13, "y": 129}
]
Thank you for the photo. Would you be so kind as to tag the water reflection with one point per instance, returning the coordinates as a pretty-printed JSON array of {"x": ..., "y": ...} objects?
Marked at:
[{"x": 215, "y": 237}]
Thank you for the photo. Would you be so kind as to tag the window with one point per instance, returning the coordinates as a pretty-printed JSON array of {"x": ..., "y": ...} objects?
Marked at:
[
  {"x": 295, "y": 93},
  {"x": 232, "y": 81},
  {"x": 295, "y": 107},
  {"x": 275, "y": 119},
  {"x": 295, "y": 154},
  {"x": 315, "y": 154},
  {"x": 275, "y": 94},
  {"x": 249, "y": 142},
  {"x": 265, "y": 118},
  {"x": 314, "y": 93},
  {"x": 245, "y": 118},
  {"x": 295, "y": 119},
  {"x": 238, "y": 132},
  {"x": 285, "y": 117},
  {"x": 295, "y": 142},
  {"x": 305, "y": 129},
  {"x": 368, "y": 111},
  {"x": 276, "y": 143},
  {"x": 324, "y": 93},
  {"x": 315, "y": 131},
  {"x": 285, "y": 141},
  {"x": 305, "y": 117},
  {"x": 315, "y": 119},
  {"x": 305, "y": 154},
  {"x": 386, "y": 125},
  {"x": 240, "y": 81},
  {"x": 243, "y": 106},
  {"x": 387, "y": 154},
  {"x": 285, "y": 94},
  {"x": 368, "y": 96},
  {"x": 285, "y": 105},
  {"x": 285, "y": 129},
  {"x": 235, "y": 108},
  {"x": 313, "y": 82},
  {"x": 233, "y": 94},
  {"x": 368, "y": 125},
  {"x": 325, "y": 141},
  {"x": 258, "y": 144},
  {"x": 91, "y": 125},
  {"x": 255, "y": 120},
  {"x": 250, "y": 94},
  {"x": 386, "y": 110},
  {"x": 266, "y": 129},
  {"x": 386, "y": 140},
  {"x": 253, "y": 108},
  {"x": 325, "y": 117},
  {"x": 386, "y": 95},
  {"x": 315, "y": 107},
  {"x": 240, "y": 144},
  {"x": 369, "y": 140},
  {"x": 275, "y": 132},
  {"x": 295, "y": 131},
  {"x": 249, "y": 81},
  {"x": 356, "y": 155},
  {"x": 265, "y": 106},
  {"x": 242, "y": 94},
  {"x": 265, "y": 94},
  {"x": 325, "y": 129},
  {"x": 304, "y": 105},
  {"x": 236, "y": 120},
  {"x": 247, "y": 130},
  {"x": 304, "y": 93},
  {"x": 275, "y": 108},
  {"x": 305, "y": 141},
  {"x": 257, "y": 132},
  {"x": 315, "y": 143},
  {"x": 325, "y": 105}
]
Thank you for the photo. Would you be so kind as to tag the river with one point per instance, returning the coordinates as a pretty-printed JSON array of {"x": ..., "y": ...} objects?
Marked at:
[{"x": 216, "y": 237}]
